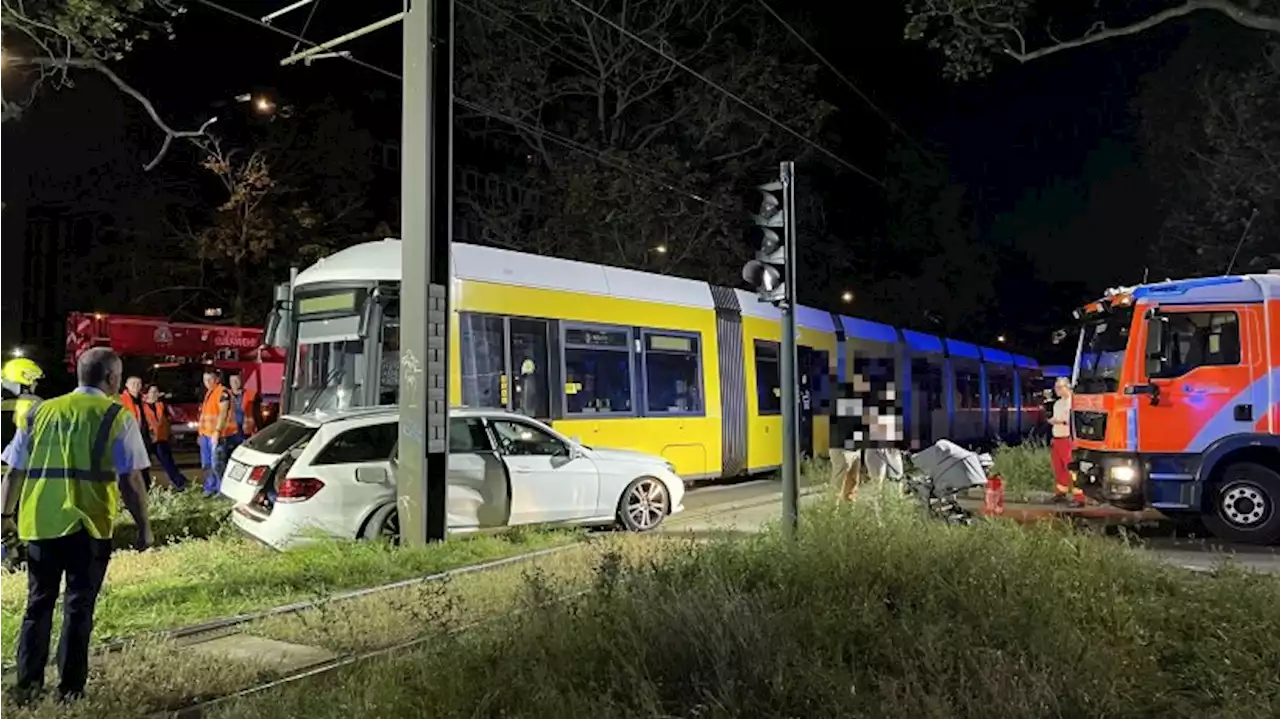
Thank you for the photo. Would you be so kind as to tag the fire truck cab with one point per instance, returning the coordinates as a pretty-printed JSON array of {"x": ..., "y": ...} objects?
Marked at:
[{"x": 1177, "y": 402}]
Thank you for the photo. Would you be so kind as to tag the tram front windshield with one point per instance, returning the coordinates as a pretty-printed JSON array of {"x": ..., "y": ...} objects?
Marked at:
[
  {"x": 332, "y": 359},
  {"x": 328, "y": 364}
]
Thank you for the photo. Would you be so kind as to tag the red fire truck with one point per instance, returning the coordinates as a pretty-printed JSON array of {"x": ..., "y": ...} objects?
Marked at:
[{"x": 174, "y": 355}]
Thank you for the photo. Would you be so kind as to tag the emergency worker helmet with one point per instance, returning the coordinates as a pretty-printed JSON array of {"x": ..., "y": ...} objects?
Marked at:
[{"x": 21, "y": 371}]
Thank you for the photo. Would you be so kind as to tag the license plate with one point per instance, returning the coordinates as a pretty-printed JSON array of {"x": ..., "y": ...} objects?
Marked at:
[{"x": 235, "y": 471}]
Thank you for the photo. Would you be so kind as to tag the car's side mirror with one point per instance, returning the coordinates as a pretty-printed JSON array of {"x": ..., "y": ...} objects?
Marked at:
[{"x": 372, "y": 475}]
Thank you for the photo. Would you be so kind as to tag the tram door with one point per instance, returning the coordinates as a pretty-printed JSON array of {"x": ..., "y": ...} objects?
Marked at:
[
  {"x": 505, "y": 364},
  {"x": 814, "y": 368},
  {"x": 527, "y": 368}
]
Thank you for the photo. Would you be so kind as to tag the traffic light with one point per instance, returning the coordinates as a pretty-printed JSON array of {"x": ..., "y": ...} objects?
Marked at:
[{"x": 767, "y": 272}]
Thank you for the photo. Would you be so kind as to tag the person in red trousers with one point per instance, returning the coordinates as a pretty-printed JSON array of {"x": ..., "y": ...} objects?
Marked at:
[{"x": 1064, "y": 489}]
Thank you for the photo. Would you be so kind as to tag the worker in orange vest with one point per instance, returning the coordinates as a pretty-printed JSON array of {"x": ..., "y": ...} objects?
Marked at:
[
  {"x": 131, "y": 398},
  {"x": 156, "y": 417},
  {"x": 246, "y": 409},
  {"x": 215, "y": 428}
]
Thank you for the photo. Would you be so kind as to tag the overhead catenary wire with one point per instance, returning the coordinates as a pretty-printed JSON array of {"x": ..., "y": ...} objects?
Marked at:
[
  {"x": 297, "y": 38},
  {"x": 650, "y": 177},
  {"x": 625, "y": 167},
  {"x": 729, "y": 94},
  {"x": 843, "y": 78}
]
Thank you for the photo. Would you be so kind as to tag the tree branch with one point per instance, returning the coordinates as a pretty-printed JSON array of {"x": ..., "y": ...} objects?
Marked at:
[
  {"x": 170, "y": 134},
  {"x": 1099, "y": 33}
]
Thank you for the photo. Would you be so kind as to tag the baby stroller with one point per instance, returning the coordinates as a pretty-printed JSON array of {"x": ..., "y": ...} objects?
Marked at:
[{"x": 942, "y": 472}]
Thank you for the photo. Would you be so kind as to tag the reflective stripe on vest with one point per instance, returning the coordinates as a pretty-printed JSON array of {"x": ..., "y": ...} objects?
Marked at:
[{"x": 70, "y": 478}]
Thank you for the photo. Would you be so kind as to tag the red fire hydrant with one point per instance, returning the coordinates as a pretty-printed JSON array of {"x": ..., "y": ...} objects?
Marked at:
[{"x": 993, "y": 501}]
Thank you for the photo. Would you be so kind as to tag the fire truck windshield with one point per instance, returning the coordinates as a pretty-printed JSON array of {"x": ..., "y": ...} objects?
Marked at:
[{"x": 1102, "y": 352}]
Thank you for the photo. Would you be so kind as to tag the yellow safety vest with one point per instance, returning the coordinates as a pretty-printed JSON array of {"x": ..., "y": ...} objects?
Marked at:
[
  {"x": 22, "y": 407},
  {"x": 70, "y": 477}
]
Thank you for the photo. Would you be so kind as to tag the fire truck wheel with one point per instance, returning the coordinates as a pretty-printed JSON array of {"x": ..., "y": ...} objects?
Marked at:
[{"x": 1244, "y": 505}]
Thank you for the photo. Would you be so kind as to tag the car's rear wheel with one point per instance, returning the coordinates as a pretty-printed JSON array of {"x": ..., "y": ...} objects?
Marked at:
[
  {"x": 644, "y": 504},
  {"x": 1244, "y": 505},
  {"x": 383, "y": 524}
]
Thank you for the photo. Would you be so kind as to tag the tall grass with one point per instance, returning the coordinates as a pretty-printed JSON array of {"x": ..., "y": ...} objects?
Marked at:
[
  {"x": 871, "y": 612},
  {"x": 203, "y": 579},
  {"x": 1026, "y": 468}
]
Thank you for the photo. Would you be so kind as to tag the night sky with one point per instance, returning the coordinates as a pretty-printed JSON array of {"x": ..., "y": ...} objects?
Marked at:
[{"x": 1047, "y": 152}]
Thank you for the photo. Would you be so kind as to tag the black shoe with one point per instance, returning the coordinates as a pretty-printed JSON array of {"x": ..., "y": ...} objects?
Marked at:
[{"x": 24, "y": 696}]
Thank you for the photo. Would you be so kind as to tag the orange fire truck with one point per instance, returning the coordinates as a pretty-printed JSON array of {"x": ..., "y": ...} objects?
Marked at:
[
  {"x": 173, "y": 355},
  {"x": 1177, "y": 402}
]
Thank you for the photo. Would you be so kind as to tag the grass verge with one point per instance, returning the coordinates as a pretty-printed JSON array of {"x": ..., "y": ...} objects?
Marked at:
[
  {"x": 154, "y": 675},
  {"x": 872, "y": 611},
  {"x": 203, "y": 579}
]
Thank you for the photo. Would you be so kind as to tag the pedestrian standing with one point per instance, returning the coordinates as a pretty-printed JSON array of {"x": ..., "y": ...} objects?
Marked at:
[
  {"x": 159, "y": 424},
  {"x": 77, "y": 457},
  {"x": 131, "y": 398},
  {"x": 215, "y": 428},
  {"x": 1064, "y": 489}
]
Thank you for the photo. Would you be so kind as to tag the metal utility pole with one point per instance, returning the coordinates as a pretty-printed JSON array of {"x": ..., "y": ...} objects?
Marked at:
[
  {"x": 426, "y": 152},
  {"x": 790, "y": 377},
  {"x": 773, "y": 275}
]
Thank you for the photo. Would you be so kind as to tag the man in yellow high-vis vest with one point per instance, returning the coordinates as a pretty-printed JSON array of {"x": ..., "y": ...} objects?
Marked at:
[{"x": 70, "y": 465}]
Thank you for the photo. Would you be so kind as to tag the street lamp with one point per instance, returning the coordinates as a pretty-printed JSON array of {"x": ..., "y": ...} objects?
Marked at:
[
  {"x": 1000, "y": 339},
  {"x": 846, "y": 296},
  {"x": 661, "y": 249}
]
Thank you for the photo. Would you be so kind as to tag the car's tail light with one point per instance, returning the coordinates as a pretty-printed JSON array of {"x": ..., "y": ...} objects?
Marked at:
[
  {"x": 298, "y": 489},
  {"x": 256, "y": 475}
]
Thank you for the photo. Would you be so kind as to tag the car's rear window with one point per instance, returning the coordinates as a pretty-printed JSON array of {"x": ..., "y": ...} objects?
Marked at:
[{"x": 280, "y": 437}]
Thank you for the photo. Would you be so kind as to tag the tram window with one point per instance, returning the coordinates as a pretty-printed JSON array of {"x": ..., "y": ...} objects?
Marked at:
[
  {"x": 968, "y": 390},
  {"x": 529, "y": 381},
  {"x": 673, "y": 377},
  {"x": 928, "y": 378},
  {"x": 483, "y": 360},
  {"x": 768, "y": 382},
  {"x": 389, "y": 371},
  {"x": 597, "y": 370}
]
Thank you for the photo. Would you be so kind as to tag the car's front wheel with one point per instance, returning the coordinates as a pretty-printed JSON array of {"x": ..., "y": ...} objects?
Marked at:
[
  {"x": 644, "y": 504},
  {"x": 383, "y": 524}
]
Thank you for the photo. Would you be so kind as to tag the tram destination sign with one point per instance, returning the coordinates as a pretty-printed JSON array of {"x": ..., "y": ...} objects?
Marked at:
[
  {"x": 596, "y": 338},
  {"x": 343, "y": 302}
]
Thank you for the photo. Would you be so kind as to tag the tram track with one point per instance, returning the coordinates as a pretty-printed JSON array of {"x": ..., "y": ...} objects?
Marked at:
[
  {"x": 198, "y": 707},
  {"x": 201, "y": 632}
]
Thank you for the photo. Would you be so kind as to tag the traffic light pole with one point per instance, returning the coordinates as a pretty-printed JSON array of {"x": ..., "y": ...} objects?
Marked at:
[{"x": 790, "y": 379}]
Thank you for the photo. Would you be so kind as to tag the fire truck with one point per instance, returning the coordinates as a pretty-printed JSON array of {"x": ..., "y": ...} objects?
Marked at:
[
  {"x": 174, "y": 356},
  {"x": 1177, "y": 402}
]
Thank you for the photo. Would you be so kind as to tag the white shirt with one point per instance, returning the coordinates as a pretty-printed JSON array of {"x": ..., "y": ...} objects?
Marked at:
[
  {"x": 1062, "y": 413},
  {"x": 128, "y": 452}
]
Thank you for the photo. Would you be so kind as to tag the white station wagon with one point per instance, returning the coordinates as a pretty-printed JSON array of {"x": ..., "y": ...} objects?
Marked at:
[{"x": 331, "y": 473}]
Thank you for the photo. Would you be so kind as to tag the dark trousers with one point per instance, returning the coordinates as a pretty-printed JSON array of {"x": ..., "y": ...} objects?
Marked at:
[
  {"x": 164, "y": 454},
  {"x": 83, "y": 560}
]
